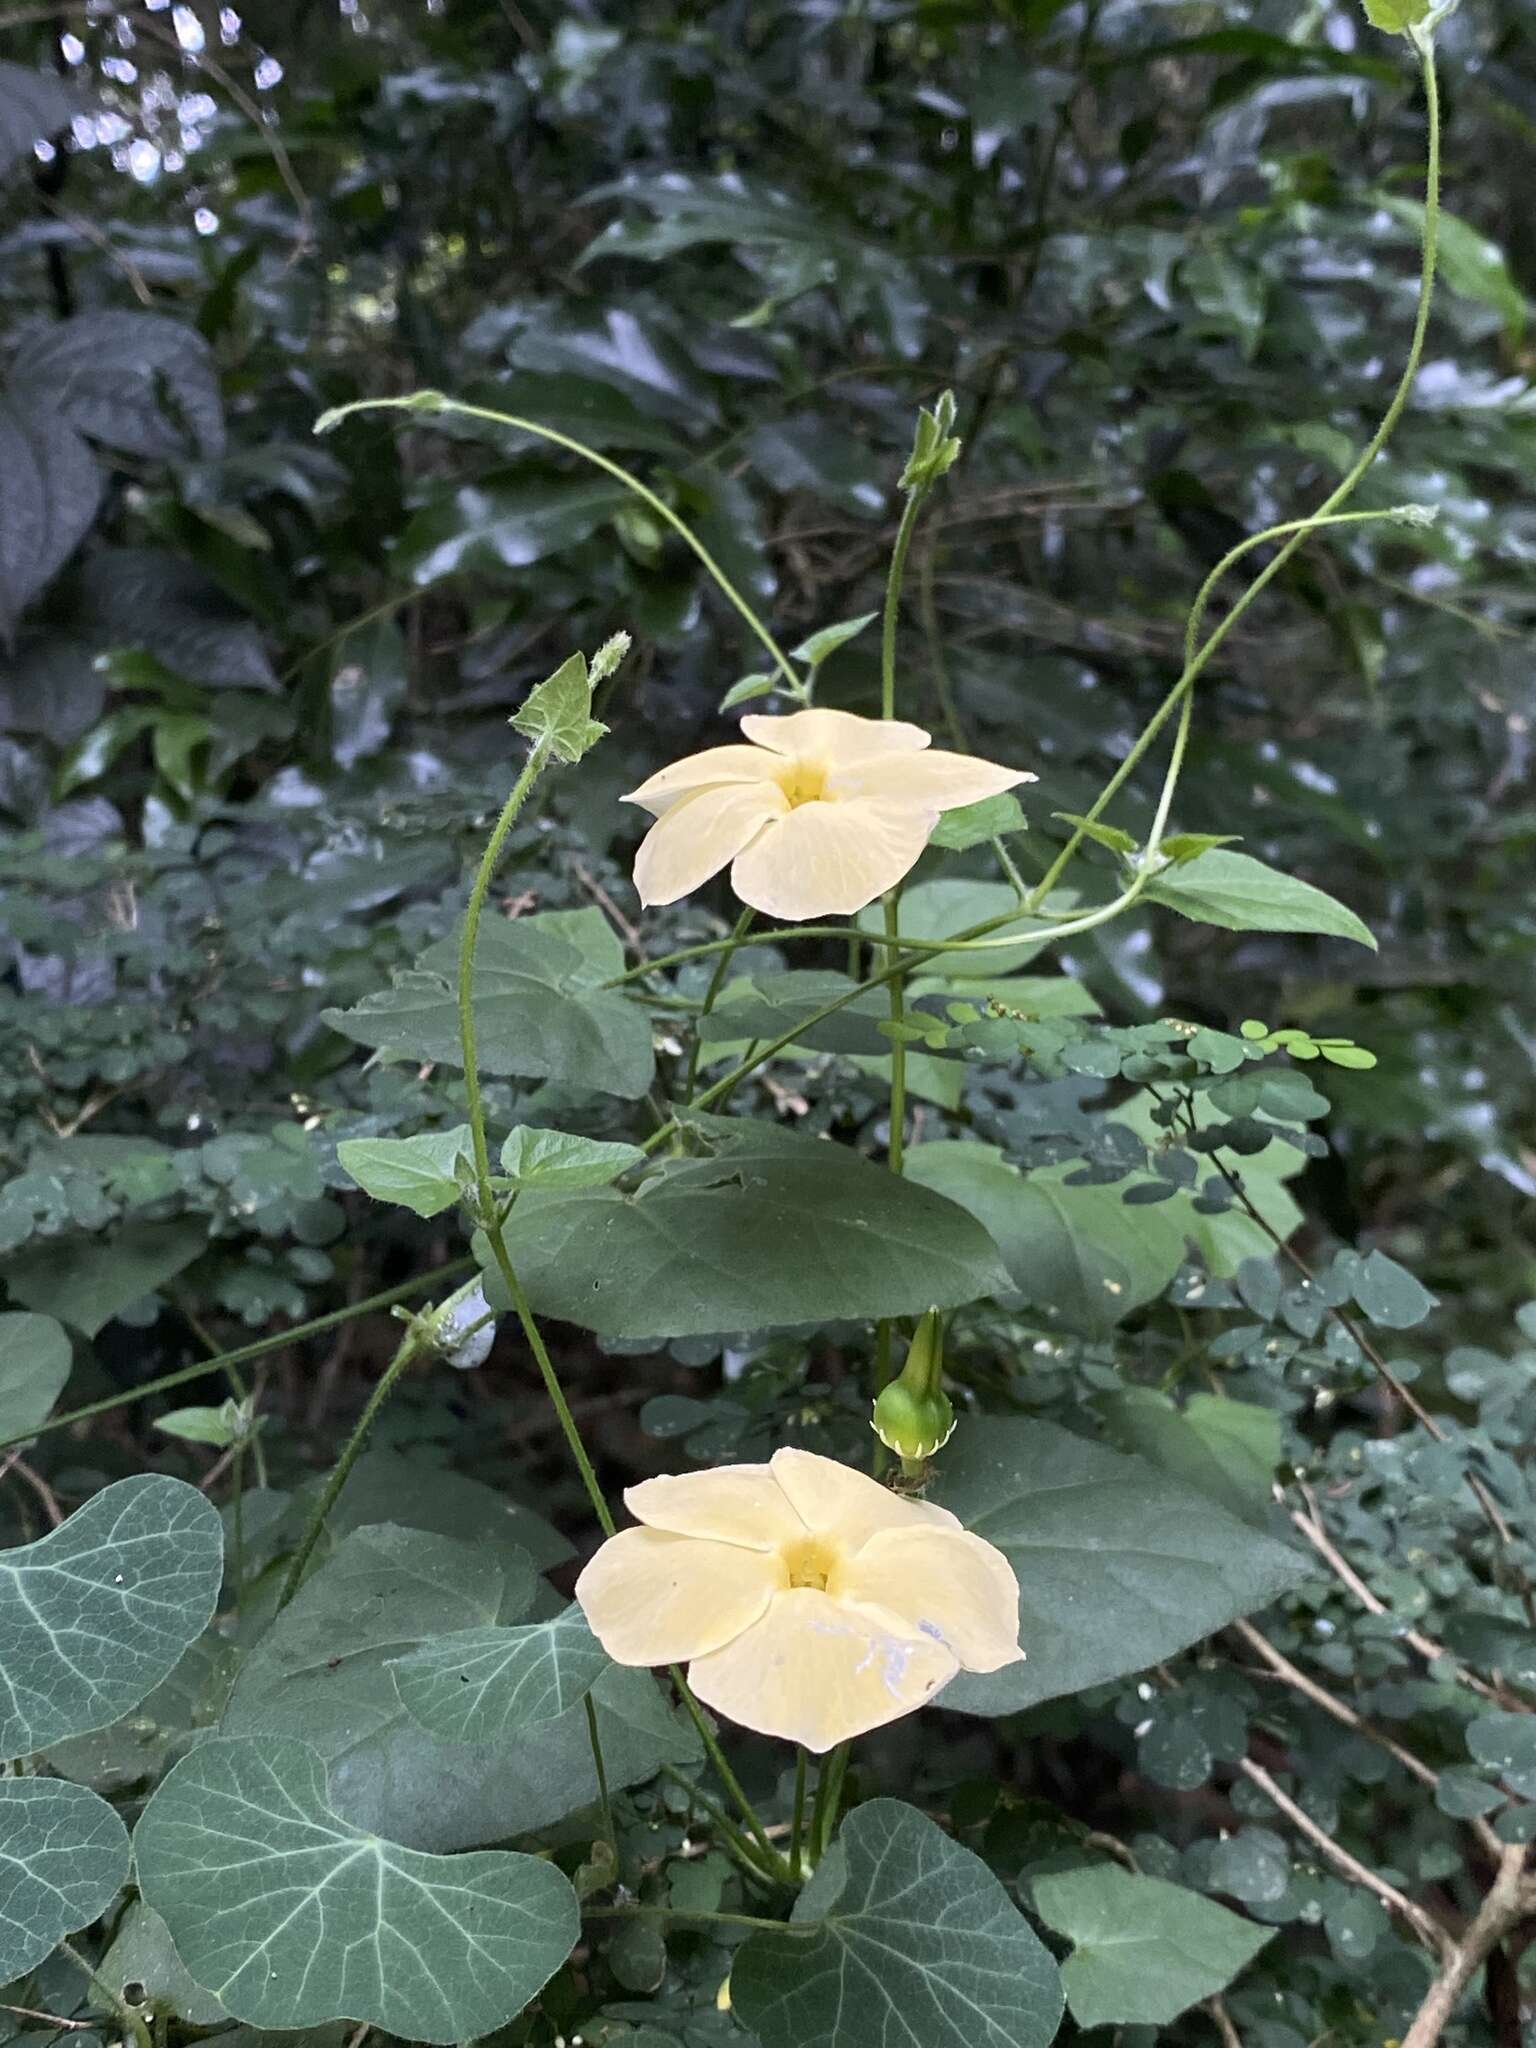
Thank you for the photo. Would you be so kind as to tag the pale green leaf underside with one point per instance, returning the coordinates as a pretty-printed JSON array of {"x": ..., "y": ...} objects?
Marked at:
[
  {"x": 901, "y": 1940},
  {"x": 94, "y": 1614},
  {"x": 540, "y": 1009},
  {"x": 485, "y": 1684},
  {"x": 420, "y": 1172},
  {"x": 63, "y": 1859},
  {"x": 290, "y": 1916},
  {"x": 1118, "y": 1565},
  {"x": 1242, "y": 894},
  {"x": 1143, "y": 1951}
]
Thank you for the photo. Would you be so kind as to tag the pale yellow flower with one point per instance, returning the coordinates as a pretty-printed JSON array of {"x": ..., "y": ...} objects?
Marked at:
[
  {"x": 807, "y": 1600},
  {"x": 820, "y": 814}
]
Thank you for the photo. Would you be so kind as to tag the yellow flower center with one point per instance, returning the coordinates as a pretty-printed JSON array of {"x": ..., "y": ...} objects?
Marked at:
[
  {"x": 810, "y": 1562},
  {"x": 803, "y": 782}
]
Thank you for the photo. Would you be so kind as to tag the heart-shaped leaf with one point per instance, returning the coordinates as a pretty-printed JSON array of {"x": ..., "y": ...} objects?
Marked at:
[
  {"x": 1143, "y": 1951},
  {"x": 63, "y": 1859},
  {"x": 291, "y": 1916},
  {"x": 901, "y": 1935},
  {"x": 1118, "y": 1565},
  {"x": 94, "y": 1614},
  {"x": 483, "y": 1685}
]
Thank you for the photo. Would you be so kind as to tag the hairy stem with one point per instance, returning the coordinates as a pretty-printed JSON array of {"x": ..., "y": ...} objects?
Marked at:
[
  {"x": 388, "y": 1381},
  {"x": 428, "y": 402}
]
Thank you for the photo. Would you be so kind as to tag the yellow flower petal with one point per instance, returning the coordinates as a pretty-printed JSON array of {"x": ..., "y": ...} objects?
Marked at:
[
  {"x": 934, "y": 781},
  {"x": 695, "y": 837},
  {"x": 700, "y": 771},
  {"x": 835, "y": 1501},
  {"x": 814, "y": 1671},
  {"x": 943, "y": 1583},
  {"x": 733, "y": 1504},
  {"x": 829, "y": 859},
  {"x": 833, "y": 736},
  {"x": 652, "y": 1598}
]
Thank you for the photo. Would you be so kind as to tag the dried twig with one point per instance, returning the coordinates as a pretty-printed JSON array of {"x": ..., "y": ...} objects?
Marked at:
[
  {"x": 1281, "y": 1667},
  {"x": 1429, "y": 1930},
  {"x": 1510, "y": 1899},
  {"x": 16, "y": 1463}
]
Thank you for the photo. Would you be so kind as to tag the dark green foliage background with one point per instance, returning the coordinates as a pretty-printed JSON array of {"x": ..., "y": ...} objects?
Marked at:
[{"x": 254, "y": 691}]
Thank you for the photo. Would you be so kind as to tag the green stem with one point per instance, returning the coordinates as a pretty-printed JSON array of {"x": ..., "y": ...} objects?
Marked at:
[
  {"x": 552, "y": 1387},
  {"x": 716, "y": 983},
  {"x": 605, "y": 1803},
  {"x": 485, "y": 1195},
  {"x": 131, "y": 2018},
  {"x": 1297, "y": 530},
  {"x": 735, "y": 1841},
  {"x": 436, "y": 402},
  {"x": 389, "y": 1380},
  {"x": 797, "y": 1818},
  {"x": 829, "y": 1793},
  {"x": 893, "y": 583},
  {"x": 490, "y": 1219},
  {"x": 259, "y": 1349},
  {"x": 728, "y": 1777},
  {"x": 896, "y": 1150},
  {"x": 532, "y": 769}
]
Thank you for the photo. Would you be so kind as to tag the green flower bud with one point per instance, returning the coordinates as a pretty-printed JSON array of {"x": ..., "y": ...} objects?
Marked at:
[
  {"x": 913, "y": 1425},
  {"x": 913, "y": 1414}
]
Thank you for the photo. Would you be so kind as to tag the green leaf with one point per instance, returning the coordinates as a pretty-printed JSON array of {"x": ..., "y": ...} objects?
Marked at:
[
  {"x": 1396, "y": 17},
  {"x": 1143, "y": 1951},
  {"x": 507, "y": 524},
  {"x": 386, "y": 1486},
  {"x": 34, "y": 1364},
  {"x": 219, "y": 1427},
  {"x": 487, "y": 1683},
  {"x": 1225, "y": 1449},
  {"x": 1183, "y": 847},
  {"x": 540, "y": 1009},
  {"x": 1389, "y": 1294},
  {"x": 763, "y": 684},
  {"x": 370, "y": 679},
  {"x": 767, "y": 1005},
  {"x": 143, "y": 1955},
  {"x": 1506, "y": 1743},
  {"x": 322, "y": 1673},
  {"x": 1469, "y": 263},
  {"x": 98, "y": 1611},
  {"x": 33, "y": 105},
  {"x": 1103, "y": 835},
  {"x": 816, "y": 649},
  {"x": 770, "y": 1227},
  {"x": 974, "y": 824},
  {"x": 901, "y": 1935},
  {"x": 290, "y": 1916},
  {"x": 63, "y": 1860},
  {"x": 420, "y": 1173},
  {"x": 561, "y": 1159},
  {"x": 1075, "y": 1253},
  {"x": 86, "y": 1282},
  {"x": 559, "y": 710},
  {"x": 1118, "y": 1566},
  {"x": 1242, "y": 894}
]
